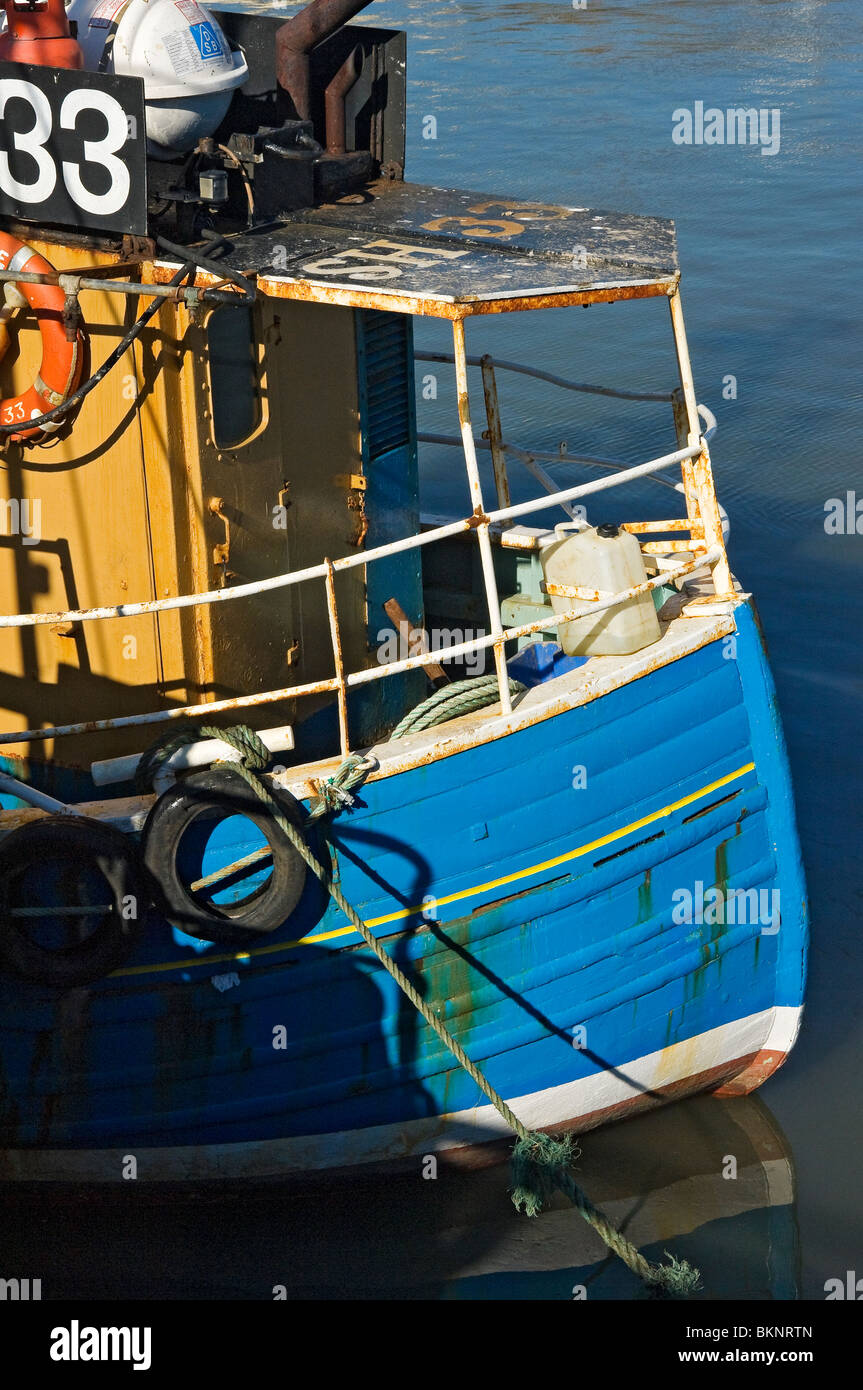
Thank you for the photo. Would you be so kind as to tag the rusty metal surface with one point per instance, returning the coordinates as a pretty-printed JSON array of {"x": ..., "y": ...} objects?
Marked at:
[
  {"x": 701, "y": 503},
  {"x": 334, "y": 100},
  {"x": 672, "y": 547},
  {"x": 571, "y": 591},
  {"x": 445, "y": 307},
  {"x": 680, "y": 523},
  {"x": 335, "y": 636},
  {"x": 296, "y": 38},
  {"x": 447, "y": 253}
]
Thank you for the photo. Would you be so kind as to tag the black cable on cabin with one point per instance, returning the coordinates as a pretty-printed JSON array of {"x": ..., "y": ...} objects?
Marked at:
[
  {"x": 185, "y": 253},
  {"x": 110, "y": 361},
  {"x": 192, "y": 260}
]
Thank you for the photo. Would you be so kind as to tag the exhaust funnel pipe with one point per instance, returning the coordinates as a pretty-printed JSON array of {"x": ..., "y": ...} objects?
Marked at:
[
  {"x": 334, "y": 99},
  {"x": 296, "y": 39}
]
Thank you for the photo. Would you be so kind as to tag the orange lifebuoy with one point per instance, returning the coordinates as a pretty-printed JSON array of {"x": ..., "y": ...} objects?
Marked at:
[{"x": 62, "y": 361}]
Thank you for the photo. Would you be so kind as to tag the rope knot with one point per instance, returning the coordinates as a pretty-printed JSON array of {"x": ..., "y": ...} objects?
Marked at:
[
  {"x": 331, "y": 797},
  {"x": 253, "y": 752},
  {"x": 337, "y": 791}
]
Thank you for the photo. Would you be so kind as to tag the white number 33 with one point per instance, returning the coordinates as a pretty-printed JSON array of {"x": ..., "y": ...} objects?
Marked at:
[{"x": 33, "y": 142}]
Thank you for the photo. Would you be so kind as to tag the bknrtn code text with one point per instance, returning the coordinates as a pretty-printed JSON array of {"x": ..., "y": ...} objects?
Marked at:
[{"x": 717, "y": 1333}]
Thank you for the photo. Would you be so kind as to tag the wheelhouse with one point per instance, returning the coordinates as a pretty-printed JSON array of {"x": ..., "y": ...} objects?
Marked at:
[{"x": 300, "y": 436}]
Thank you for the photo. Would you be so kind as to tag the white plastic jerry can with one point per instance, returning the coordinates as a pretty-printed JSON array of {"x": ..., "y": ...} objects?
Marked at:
[{"x": 601, "y": 561}]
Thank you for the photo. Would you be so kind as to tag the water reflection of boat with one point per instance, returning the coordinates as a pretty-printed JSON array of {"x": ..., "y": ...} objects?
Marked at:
[
  {"x": 659, "y": 1176},
  {"x": 663, "y": 1178}
]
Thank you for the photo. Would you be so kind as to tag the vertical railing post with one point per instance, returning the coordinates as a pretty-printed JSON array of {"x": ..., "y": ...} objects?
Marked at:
[
  {"x": 482, "y": 532},
  {"x": 337, "y": 658},
  {"x": 494, "y": 435},
  {"x": 701, "y": 503}
]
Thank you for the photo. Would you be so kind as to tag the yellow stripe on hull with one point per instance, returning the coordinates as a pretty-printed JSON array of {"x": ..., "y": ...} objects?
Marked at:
[{"x": 406, "y": 912}]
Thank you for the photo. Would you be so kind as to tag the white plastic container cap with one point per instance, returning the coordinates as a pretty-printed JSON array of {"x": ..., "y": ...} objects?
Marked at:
[{"x": 187, "y": 65}]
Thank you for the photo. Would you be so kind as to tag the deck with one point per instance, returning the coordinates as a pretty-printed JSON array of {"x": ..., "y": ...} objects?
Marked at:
[{"x": 447, "y": 253}]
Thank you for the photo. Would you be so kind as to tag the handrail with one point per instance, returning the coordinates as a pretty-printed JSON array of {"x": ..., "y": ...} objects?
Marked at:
[
  {"x": 134, "y": 289},
  {"x": 531, "y": 457},
  {"x": 703, "y": 521},
  {"x": 285, "y": 580},
  {"x": 426, "y": 658},
  {"x": 519, "y": 367}
]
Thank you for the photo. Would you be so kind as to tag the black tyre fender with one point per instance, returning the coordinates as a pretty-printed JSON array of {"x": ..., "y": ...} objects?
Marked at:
[
  {"x": 223, "y": 790},
  {"x": 75, "y": 840}
]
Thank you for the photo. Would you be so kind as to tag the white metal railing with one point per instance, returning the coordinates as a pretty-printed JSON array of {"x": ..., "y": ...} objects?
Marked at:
[
  {"x": 532, "y": 459},
  {"x": 321, "y": 571},
  {"x": 536, "y": 372},
  {"x": 706, "y": 547}
]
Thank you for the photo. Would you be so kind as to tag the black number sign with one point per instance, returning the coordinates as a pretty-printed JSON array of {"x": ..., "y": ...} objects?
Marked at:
[{"x": 73, "y": 149}]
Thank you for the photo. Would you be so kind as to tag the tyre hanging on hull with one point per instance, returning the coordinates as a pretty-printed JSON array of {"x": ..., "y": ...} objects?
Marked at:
[
  {"x": 182, "y": 812},
  {"x": 70, "y": 844}
]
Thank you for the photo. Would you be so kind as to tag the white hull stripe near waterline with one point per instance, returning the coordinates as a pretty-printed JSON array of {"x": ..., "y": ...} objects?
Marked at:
[{"x": 772, "y": 1030}]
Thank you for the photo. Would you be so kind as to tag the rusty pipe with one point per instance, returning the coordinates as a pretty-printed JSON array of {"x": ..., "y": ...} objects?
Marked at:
[
  {"x": 334, "y": 99},
  {"x": 296, "y": 39}
]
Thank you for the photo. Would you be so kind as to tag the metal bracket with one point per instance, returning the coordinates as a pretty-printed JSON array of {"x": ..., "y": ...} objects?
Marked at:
[
  {"x": 72, "y": 319},
  {"x": 222, "y": 550}
]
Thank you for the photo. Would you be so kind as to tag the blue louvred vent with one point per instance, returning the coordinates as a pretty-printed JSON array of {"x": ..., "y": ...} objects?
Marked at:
[{"x": 387, "y": 344}]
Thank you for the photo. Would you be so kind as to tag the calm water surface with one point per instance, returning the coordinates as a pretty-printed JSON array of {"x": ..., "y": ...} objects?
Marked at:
[{"x": 545, "y": 102}]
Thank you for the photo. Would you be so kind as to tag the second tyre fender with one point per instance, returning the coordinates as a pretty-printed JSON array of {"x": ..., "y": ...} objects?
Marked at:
[{"x": 221, "y": 792}]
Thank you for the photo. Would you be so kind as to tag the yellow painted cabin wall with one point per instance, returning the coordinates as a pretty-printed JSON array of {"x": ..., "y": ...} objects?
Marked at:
[{"x": 124, "y": 496}]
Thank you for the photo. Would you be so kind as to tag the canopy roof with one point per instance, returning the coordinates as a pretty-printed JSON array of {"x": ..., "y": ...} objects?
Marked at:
[{"x": 448, "y": 253}]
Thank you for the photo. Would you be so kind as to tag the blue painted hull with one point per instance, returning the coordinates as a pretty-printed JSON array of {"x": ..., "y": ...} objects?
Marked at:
[{"x": 549, "y": 943}]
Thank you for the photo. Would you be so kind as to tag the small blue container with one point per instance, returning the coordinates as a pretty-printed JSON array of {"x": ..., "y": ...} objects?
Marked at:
[{"x": 541, "y": 661}]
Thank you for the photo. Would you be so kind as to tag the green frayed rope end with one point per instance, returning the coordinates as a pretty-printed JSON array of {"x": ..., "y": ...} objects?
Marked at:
[
  {"x": 541, "y": 1165},
  {"x": 678, "y": 1278},
  {"x": 537, "y": 1163}
]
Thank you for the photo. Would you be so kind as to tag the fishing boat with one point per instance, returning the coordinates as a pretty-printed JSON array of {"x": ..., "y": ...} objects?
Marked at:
[{"x": 558, "y": 798}]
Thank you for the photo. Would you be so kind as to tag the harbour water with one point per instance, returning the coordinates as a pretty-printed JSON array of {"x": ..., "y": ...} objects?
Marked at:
[{"x": 552, "y": 102}]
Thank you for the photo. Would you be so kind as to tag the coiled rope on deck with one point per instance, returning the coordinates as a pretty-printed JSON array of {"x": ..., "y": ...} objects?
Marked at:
[
  {"x": 540, "y": 1162},
  {"x": 462, "y": 697}
]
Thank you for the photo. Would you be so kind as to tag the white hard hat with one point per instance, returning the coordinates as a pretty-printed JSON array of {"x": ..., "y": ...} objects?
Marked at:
[{"x": 188, "y": 67}]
